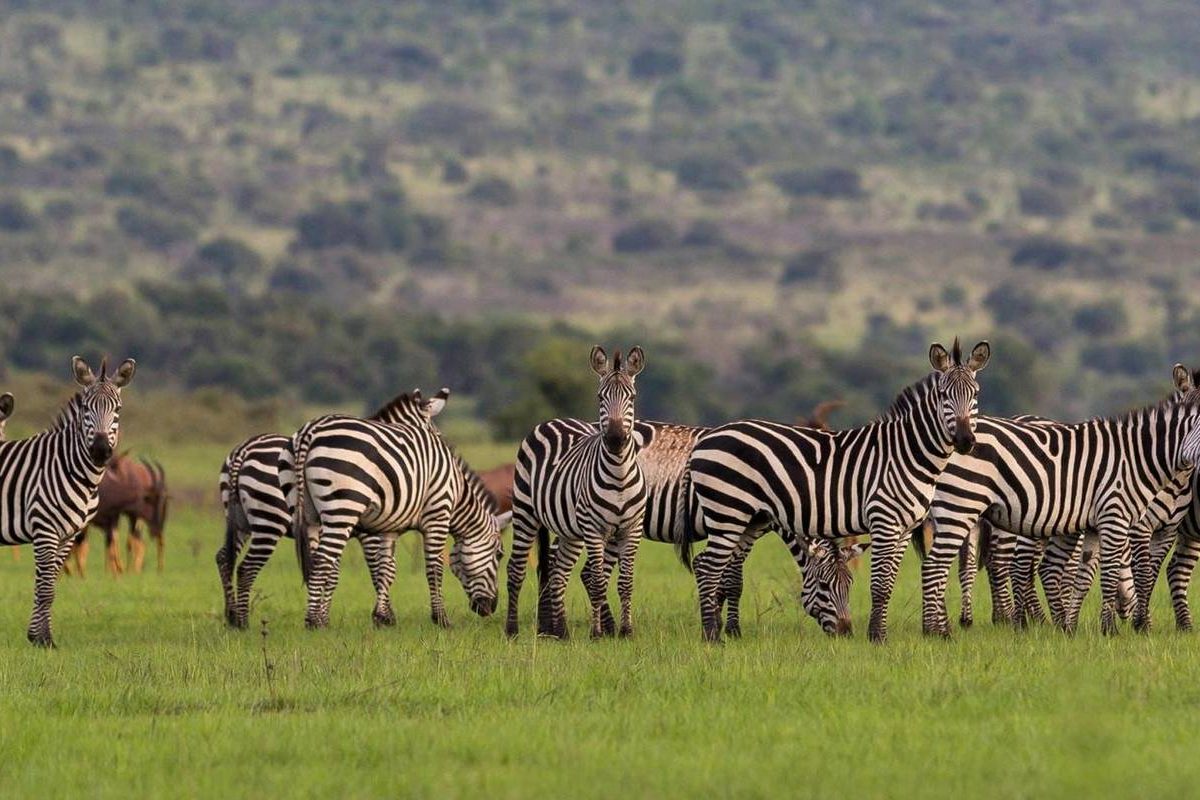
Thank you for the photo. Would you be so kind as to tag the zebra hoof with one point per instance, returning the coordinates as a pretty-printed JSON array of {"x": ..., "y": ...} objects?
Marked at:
[
  {"x": 387, "y": 620},
  {"x": 712, "y": 634},
  {"x": 511, "y": 629},
  {"x": 965, "y": 622},
  {"x": 625, "y": 632},
  {"x": 733, "y": 630},
  {"x": 1183, "y": 626},
  {"x": 240, "y": 623},
  {"x": 42, "y": 640},
  {"x": 315, "y": 623},
  {"x": 442, "y": 621}
]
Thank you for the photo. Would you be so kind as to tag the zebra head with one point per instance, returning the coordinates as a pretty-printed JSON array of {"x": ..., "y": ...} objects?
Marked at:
[
  {"x": 99, "y": 406},
  {"x": 1187, "y": 395},
  {"x": 958, "y": 391},
  {"x": 827, "y": 579},
  {"x": 617, "y": 393},
  {"x": 6, "y": 409},
  {"x": 475, "y": 556},
  {"x": 411, "y": 408}
]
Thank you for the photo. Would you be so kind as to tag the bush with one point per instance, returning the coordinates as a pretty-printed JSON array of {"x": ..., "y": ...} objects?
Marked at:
[
  {"x": 819, "y": 265},
  {"x": 157, "y": 229},
  {"x": 381, "y": 223},
  {"x": 1044, "y": 253},
  {"x": 681, "y": 96},
  {"x": 1105, "y": 318},
  {"x": 1037, "y": 200},
  {"x": 39, "y": 101},
  {"x": 61, "y": 210},
  {"x": 1126, "y": 358},
  {"x": 493, "y": 190},
  {"x": 224, "y": 258},
  {"x": 649, "y": 63},
  {"x": 645, "y": 235},
  {"x": 830, "y": 182},
  {"x": 446, "y": 120},
  {"x": 16, "y": 216},
  {"x": 710, "y": 173},
  {"x": 454, "y": 171},
  {"x": 704, "y": 233},
  {"x": 159, "y": 185},
  {"x": 945, "y": 212}
]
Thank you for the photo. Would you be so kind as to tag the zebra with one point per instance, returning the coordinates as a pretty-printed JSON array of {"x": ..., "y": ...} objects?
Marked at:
[
  {"x": 878, "y": 478},
  {"x": 7, "y": 403},
  {"x": 256, "y": 510},
  {"x": 663, "y": 450},
  {"x": 49, "y": 483},
  {"x": 342, "y": 474},
  {"x": 1038, "y": 479},
  {"x": 586, "y": 485}
]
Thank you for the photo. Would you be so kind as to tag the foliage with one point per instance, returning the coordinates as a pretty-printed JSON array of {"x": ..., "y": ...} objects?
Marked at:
[{"x": 645, "y": 235}]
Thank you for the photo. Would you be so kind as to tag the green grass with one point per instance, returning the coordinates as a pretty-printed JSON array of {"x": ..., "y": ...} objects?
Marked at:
[{"x": 150, "y": 695}]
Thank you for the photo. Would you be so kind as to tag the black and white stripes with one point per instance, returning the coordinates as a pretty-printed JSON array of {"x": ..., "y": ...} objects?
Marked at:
[{"x": 49, "y": 483}]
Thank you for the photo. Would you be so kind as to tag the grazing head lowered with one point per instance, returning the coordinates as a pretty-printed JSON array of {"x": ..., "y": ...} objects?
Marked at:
[
  {"x": 97, "y": 407},
  {"x": 475, "y": 556},
  {"x": 958, "y": 391},
  {"x": 617, "y": 393},
  {"x": 827, "y": 580},
  {"x": 6, "y": 410}
]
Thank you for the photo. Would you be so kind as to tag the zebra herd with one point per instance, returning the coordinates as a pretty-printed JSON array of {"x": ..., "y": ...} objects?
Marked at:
[{"x": 1022, "y": 497}]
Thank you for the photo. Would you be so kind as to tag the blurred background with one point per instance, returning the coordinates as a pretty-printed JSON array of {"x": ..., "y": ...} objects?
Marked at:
[{"x": 278, "y": 207}]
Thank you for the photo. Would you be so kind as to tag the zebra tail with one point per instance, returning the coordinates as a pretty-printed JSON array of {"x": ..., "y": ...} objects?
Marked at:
[
  {"x": 918, "y": 540},
  {"x": 985, "y": 542},
  {"x": 299, "y": 528},
  {"x": 233, "y": 515}
]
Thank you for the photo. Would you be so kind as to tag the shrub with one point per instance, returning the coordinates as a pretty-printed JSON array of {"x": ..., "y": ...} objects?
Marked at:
[
  {"x": 649, "y": 63},
  {"x": 39, "y": 101},
  {"x": 1127, "y": 358},
  {"x": 158, "y": 229},
  {"x": 381, "y": 223},
  {"x": 829, "y": 182},
  {"x": 1038, "y": 200},
  {"x": 16, "y": 216},
  {"x": 710, "y": 173},
  {"x": 1104, "y": 318},
  {"x": 454, "y": 171},
  {"x": 704, "y": 233},
  {"x": 682, "y": 96},
  {"x": 224, "y": 258},
  {"x": 645, "y": 235},
  {"x": 945, "y": 212},
  {"x": 1044, "y": 253},
  {"x": 445, "y": 120},
  {"x": 61, "y": 210},
  {"x": 819, "y": 265},
  {"x": 159, "y": 185},
  {"x": 493, "y": 190}
]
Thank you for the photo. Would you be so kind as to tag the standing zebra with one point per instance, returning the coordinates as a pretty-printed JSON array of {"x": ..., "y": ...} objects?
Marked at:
[
  {"x": 49, "y": 483},
  {"x": 256, "y": 509},
  {"x": 663, "y": 450},
  {"x": 1040, "y": 479},
  {"x": 750, "y": 476},
  {"x": 343, "y": 475},
  {"x": 585, "y": 485}
]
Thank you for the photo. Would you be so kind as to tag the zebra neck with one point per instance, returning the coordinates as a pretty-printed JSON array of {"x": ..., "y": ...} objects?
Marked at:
[
  {"x": 618, "y": 465},
  {"x": 77, "y": 461}
]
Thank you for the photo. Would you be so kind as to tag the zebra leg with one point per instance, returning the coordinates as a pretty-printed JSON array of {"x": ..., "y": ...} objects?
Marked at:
[
  {"x": 261, "y": 545},
  {"x": 608, "y": 623},
  {"x": 1028, "y": 606},
  {"x": 1136, "y": 564},
  {"x": 525, "y": 533},
  {"x": 225, "y": 571},
  {"x": 999, "y": 565},
  {"x": 565, "y": 556},
  {"x": 949, "y": 537},
  {"x": 1179, "y": 578},
  {"x": 709, "y": 567},
  {"x": 968, "y": 569},
  {"x": 49, "y": 554},
  {"x": 627, "y": 554},
  {"x": 731, "y": 589},
  {"x": 1111, "y": 538},
  {"x": 326, "y": 557},
  {"x": 887, "y": 549},
  {"x": 596, "y": 582},
  {"x": 378, "y": 550},
  {"x": 1060, "y": 574},
  {"x": 435, "y": 534}
]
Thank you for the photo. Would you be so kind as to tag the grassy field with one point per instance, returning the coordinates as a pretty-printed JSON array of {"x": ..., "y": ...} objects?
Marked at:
[{"x": 149, "y": 695}]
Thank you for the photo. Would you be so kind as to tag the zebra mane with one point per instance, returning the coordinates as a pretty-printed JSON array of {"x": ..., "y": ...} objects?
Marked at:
[
  {"x": 399, "y": 401},
  {"x": 1190, "y": 402},
  {"x": 908, "y": 399},
  {"x": 475, "y": 484},
  {"x": 69, "y": 413}
]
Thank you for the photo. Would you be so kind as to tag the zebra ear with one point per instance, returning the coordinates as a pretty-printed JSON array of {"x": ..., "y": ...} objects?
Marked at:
[
  {"x": 635, "y": 359},
  {"x": 437, "y": 402},
  {"x": 502, "y": 520},
  {"x": 599, "y": 361},
  {"x": 980, "y": 354},
  {"x": 83, "y": 373},
  {"x": 1182, "y": 378},
  {"x": 124, "y": 373},
  {"x": 855, "y": 550},
  {"x": 6, "y": 406},
  {"x": 938, "y": 357}
]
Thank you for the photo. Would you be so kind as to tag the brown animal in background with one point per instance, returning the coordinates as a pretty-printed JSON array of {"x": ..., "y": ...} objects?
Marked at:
[
  {"x": 136, "y": 490},
  {"x": 499, "y": 481}
]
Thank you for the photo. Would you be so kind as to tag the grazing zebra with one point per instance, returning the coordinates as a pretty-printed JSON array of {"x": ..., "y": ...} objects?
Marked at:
[
  {"x": 1040, "y": 479},
  {"x": 49, "y": 483},
  {"x": 663, "y": 450},
  {"x": 343, "y": 475},
  {"x": 586, "y": 485},
  {"x": 256, "y": 510},
  {"x": 6, "y": 409},
  {"x": 749, "y": 476}
]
